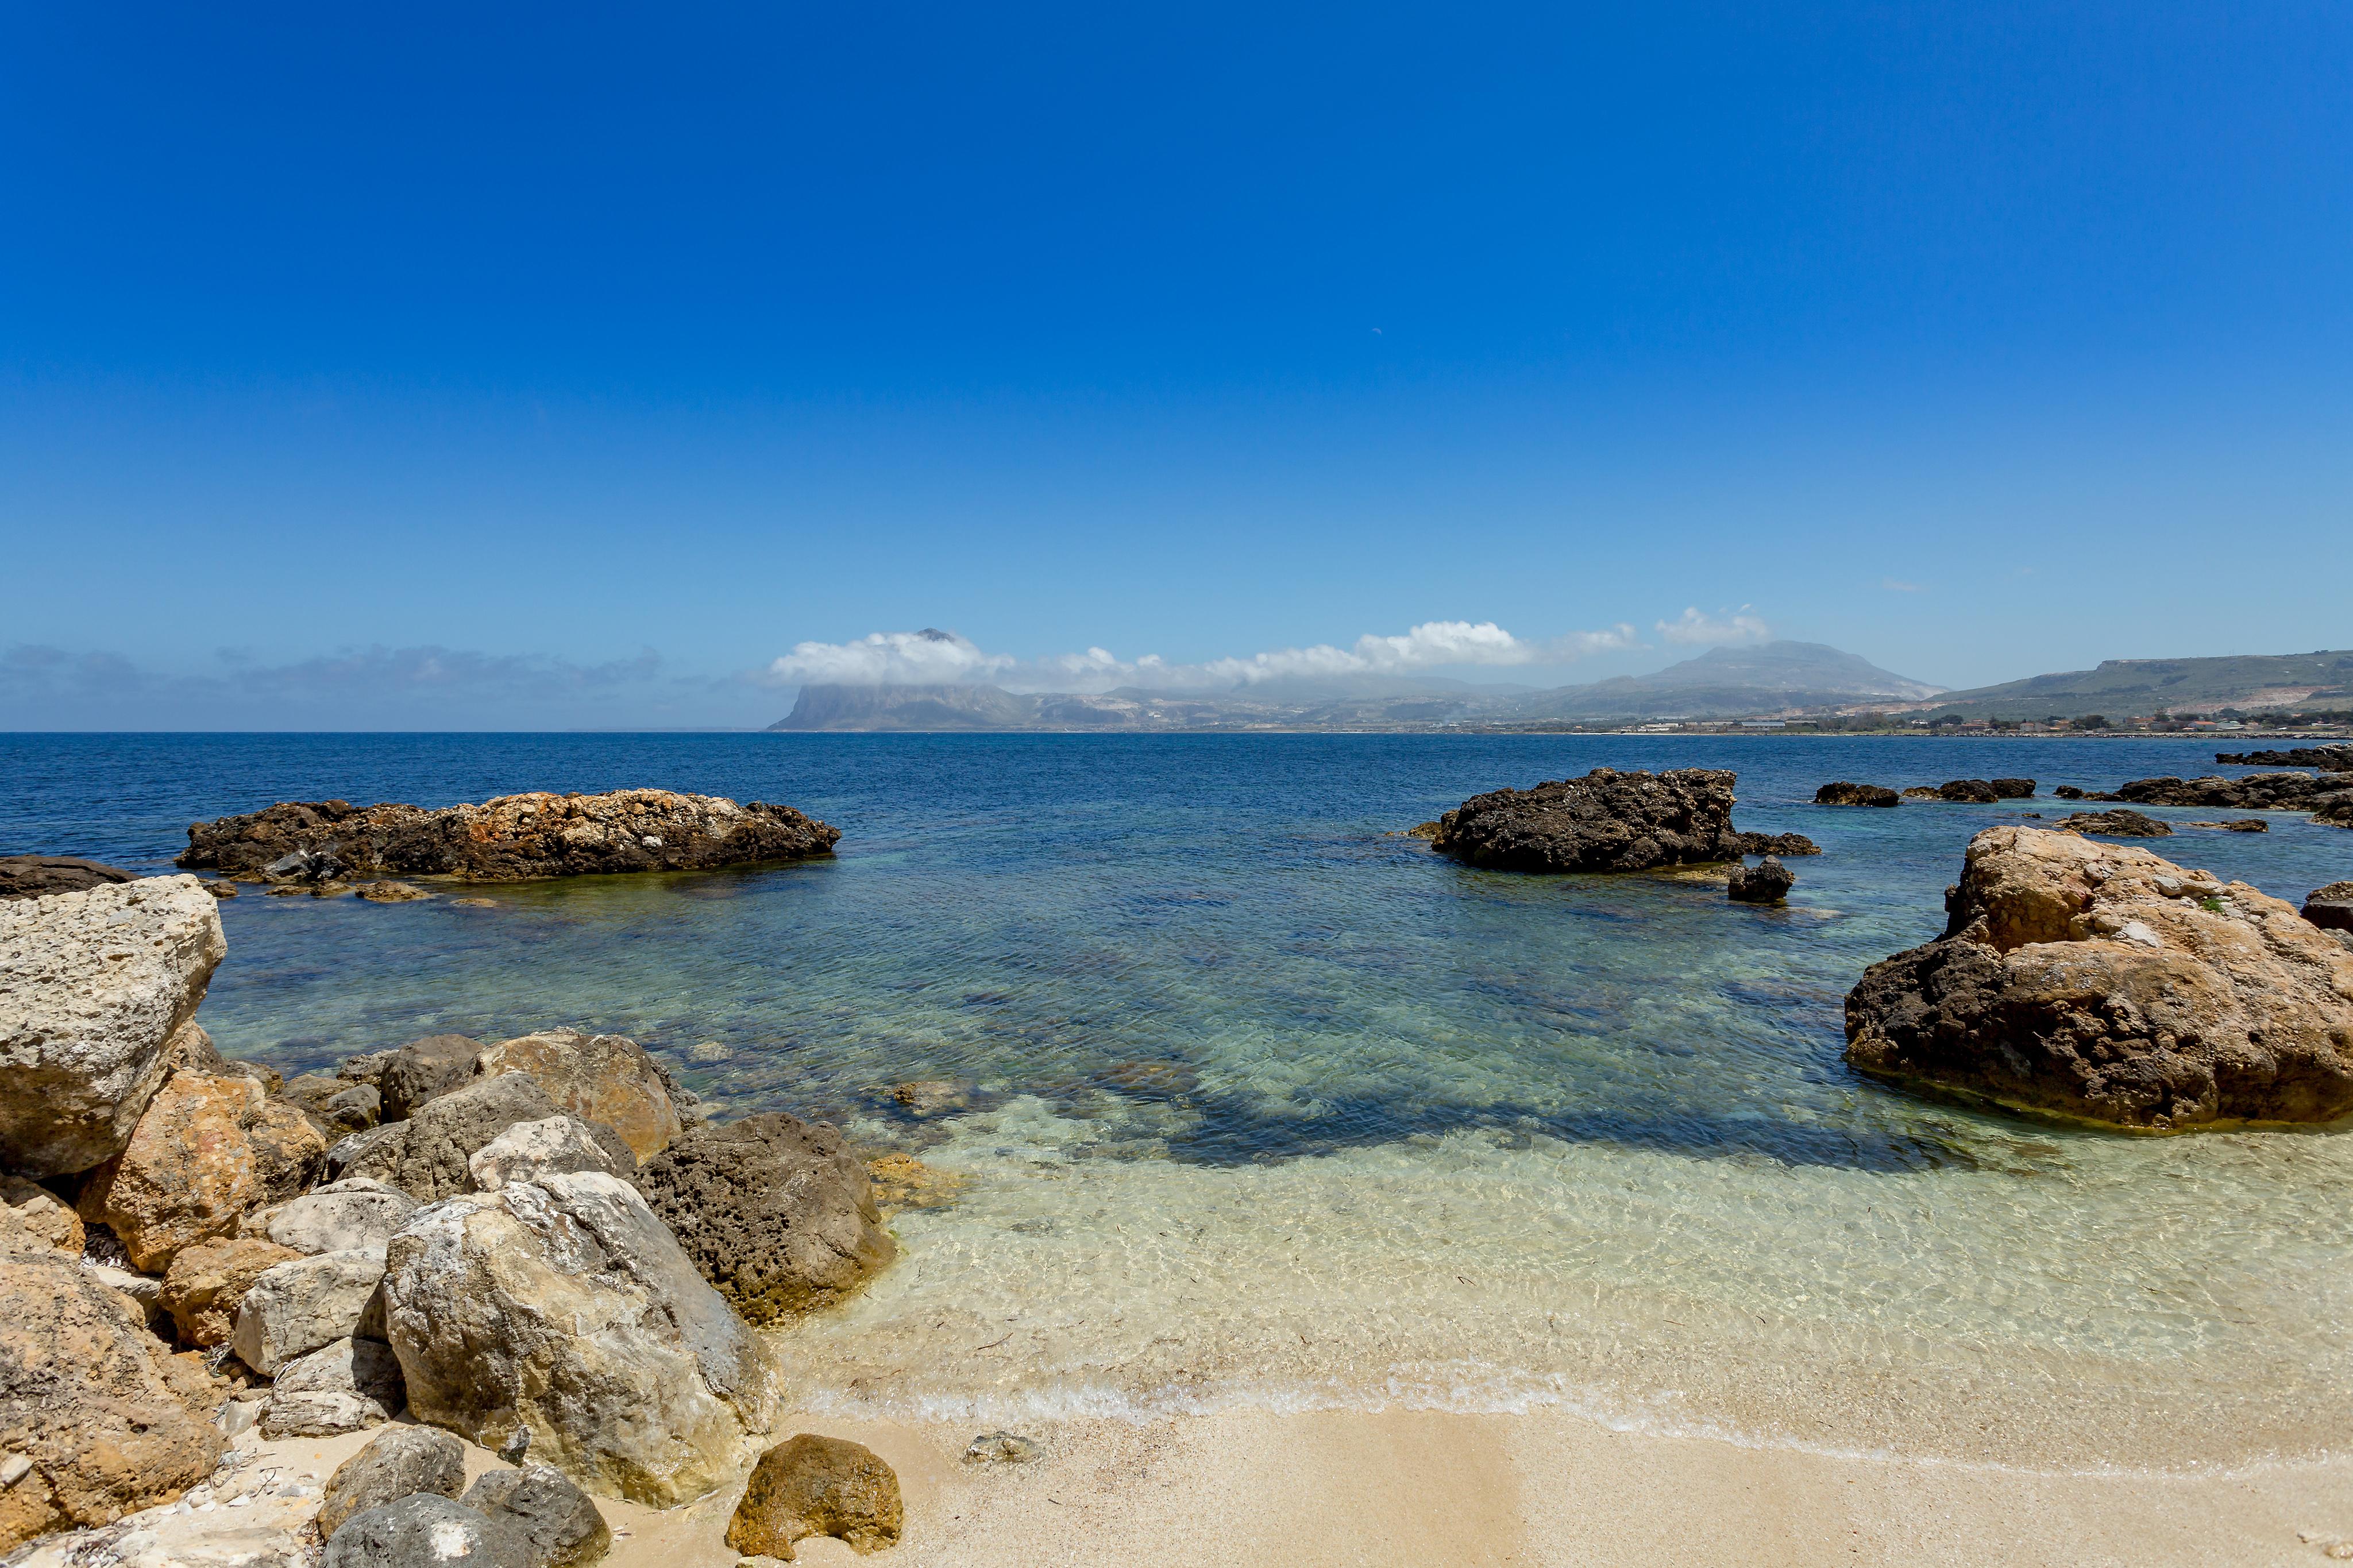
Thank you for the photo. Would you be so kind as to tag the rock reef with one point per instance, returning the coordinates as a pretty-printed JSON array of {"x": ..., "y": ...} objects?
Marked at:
[
  {"x": 515, "y": 837},
  {"x": 2329, "y": 799},
  {"x": 38, "y": 876},
  {"x": 1842, "y": 793},
  {"x": 1607, "y": 821},
  {"x": 2104, "y": 983},
  {"x": 2327, "y": 759}
]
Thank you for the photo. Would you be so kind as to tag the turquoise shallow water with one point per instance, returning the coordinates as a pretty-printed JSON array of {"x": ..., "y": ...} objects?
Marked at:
[{"x": 1260, "y": 1102}]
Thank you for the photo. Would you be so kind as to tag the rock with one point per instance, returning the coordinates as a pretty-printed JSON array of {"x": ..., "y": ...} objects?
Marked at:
[
  {"x": 2256, "y": 792},
  {"x": 1844, "y": 794},
  {"x": 300, "y": 865},
  {"x": 2114, "y": 823},
  {"x": 2102, "y": 983},
  {"x": 565, "y": 1308},
  {"x": 345, "y": 1387},
  {"x": 817, "y": 1485},
  {"x": 903, "y": 1182},
  {"x": 371, "y": 1148},
  {"x": 511, "y": 838},
  {"x": 294, "y": 1307},
  {"x": 1968, "y": 791},
  {"x": 426, "y": 1156},
  {"x": 389, "y": 892},
  {"x": 2236, "y": 824},
  {"x": 207, "y": 1150},
  {"x": 88, "y": 1399},
  {"x": 40, "y": 876},
  {"x": 1606, "y": 821},
  {"x": 2335, "y": 813},
  {"x": 529, "y": 1150},
  {"x": 2327, "y": 759},
  {"x": 541, "y": 1505},
  {"x": 93, "y": 986},
  {"x": 1002, "y": 1448},
  {"x": 424, "y": 1531},
  {"x": 606, "y": 1079},
  {"x": 368, "y": 1068},
  {"x": 43, "y": 1214},
  {"x": 221, "y": 890},
  {"x": 932, "y": 1097},
  {"x": 2068, "y": 791},
  {"x": 2330, "y": 908},
  {"x": 424, "y": 1070},
  {"x": 336, "y": 1107},
  {"x": 2013, "y": 789},
  {"x": 398, "y": 1462},
  {"x": 353, "y": 1212},
  {"x": 1774, "y": 844},
  {"x": 1769, "y": 883},
  {"x": 144, "y": 1291},
  {"x": 207, "y": 1280},
  {"x": 775, "y": 1212}
]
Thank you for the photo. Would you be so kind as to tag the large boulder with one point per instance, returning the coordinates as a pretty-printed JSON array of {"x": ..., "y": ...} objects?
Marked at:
[
  {"x": 42, "y": 876},
  {"x": 818, "y": 1486},
  {"x": 1842, "y": 793},
  {"x": 425, "y": 1070},
  {"x": 2117, "y": 824},
  {"x": 1767, "y": 883},
  {"x": 555, "y": 1147},
  {"x": 208, "y": 1152},
  {"x": 425, "y": 1156},
  {"x": 345, "y": 1387},
  {"x": 564, "y": 1308},
  {"x": 777, "y": 1212},
  {"x": 540, "y": 1504},
  {"x": 296, "y": 1307},
  {"x": 2102, "y": 983},
  {"x": 401, "y": 1461},
  {"x": 89, "y": 1401},
  {"x": 511, "y": 838},
  {"x": 93, "y": 987},
  {"x": 207, "y": 1280},
  {"x": 424, "y": 1531},
  {"x": 604, "y": 1079},
  {"x": 355, "y": 1212},
  {"x": 1606, "y": 821}
]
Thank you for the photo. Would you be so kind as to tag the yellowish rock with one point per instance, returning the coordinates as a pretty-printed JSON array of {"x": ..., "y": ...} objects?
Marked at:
[
  {"x": 818, "y": 1486},
  {"x": 208, "y": 1149}
]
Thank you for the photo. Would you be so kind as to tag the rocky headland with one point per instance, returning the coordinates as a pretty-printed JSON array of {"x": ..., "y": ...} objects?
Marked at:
[
  {"x": 2102, "y": 983},
  {"x": 514, "y": 837},
  {"x": 196, "y": 1255},
  {"x": 1606, "y": 821}
]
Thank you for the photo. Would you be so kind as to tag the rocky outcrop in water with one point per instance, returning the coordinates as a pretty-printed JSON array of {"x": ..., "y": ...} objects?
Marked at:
[
  {"x": 2102, "y": 983},
  {"x": 776, "y": 1212},
  {"x": 1842, "y": 793},
  {"x": 39, "y": 876},
  {"x": 1606, "y": 821},
  {"x": 2327, "y": 759},
  {"x": 2118, "y": 823},
  {"x": 2326, "y": 798},
  {"x": 1767, "y": 883},
  {"x": 512, "y": 839},
  {"x": 95, "y": 987}
]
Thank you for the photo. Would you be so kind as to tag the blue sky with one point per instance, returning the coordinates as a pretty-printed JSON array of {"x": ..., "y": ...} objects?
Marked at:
[{"x": 533, "y": 367}]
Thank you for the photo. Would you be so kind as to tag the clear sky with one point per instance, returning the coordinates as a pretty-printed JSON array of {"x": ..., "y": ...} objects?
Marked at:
[{"x": 541, "y": 366}]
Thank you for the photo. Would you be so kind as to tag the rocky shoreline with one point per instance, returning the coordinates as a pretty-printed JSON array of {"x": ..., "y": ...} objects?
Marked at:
[{"x": 1606, "y": 821}]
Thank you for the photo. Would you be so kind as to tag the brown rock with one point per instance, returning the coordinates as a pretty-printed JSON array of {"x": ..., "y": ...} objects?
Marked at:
[
  {"x": 606, "y": 1079},
  {"x": 43, "y": 1214},
  {"x": 207, "y": 1281},
  {"x": 903, "y": 1182},
  {"x": 422, "y": 1070},
  {"x": 1842, "y": 793},
  {"x": 38, "y": 876},
  {"x": 87, "y": 1397},
  {"x": 2117, "y": 823},
  {"x": 390, "y": 892},
  {"x": 207, "y": 1150},
  {"x": 2102, "y": 983},
  {"x": 1606, "y": 821},
  {"x": 2330, "y": 908},
  {"x": 818, "y": 1486},
  {"x": 1767, "y": 883}
]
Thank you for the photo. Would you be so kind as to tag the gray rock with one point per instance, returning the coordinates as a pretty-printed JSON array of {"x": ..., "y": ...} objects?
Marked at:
[
  {"x": 425, "y": 1531},
  {"x": 336, "y": 1106},
  {"x": 93, "y": 986},
  {"x": 528, "y": 1149},
  {"x": 1766, "y": 882},
  {"x": 422, "y": 1070},
  {"x": 340, "y": 1387},
  {"x": 1002, "y": 1448},
  {"x": 340, "y": 1216},
  {"x": 44, "y": 876},
  {"x": 368, "y": 1069},
  {"x": 563, "y": 1528},
  {"x": 398, "y": 1462},
  {"x": 295, "y": 1307},
  {"x": 565, "y": 1307},
  {"x": 426, "y": 1155},
  {"x": 777, "y": 1212}
]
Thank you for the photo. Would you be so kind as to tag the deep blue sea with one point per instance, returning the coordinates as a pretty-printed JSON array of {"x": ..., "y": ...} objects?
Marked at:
[{"x": 1258, "y": 1101}]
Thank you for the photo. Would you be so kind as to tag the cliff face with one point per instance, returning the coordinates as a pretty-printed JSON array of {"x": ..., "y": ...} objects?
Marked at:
[{"x": 909, "y": 708}]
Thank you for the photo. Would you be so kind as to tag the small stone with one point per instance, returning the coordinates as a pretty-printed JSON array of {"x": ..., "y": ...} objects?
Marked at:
[
  {"x": 540, "y": 1504},
  {"x": 1002, "y": 1448},
  {"x": 425, "y": 1531},
  {"x": 14, "y": 1469},
  {"x": 517, "y": 1445},
  {"x": 392, "y": 892},
  {"x": 398, "y": 1462},
  {"x": 818, "y": 1486}
]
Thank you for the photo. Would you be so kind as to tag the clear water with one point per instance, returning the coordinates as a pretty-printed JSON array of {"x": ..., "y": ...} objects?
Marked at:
[{"x": 1266, "y": 1105}]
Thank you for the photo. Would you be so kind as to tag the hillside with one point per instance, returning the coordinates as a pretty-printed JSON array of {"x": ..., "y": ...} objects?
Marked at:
[
  {"x": 2124, "y": 687},
  {"x": 1727, "y": 683}
]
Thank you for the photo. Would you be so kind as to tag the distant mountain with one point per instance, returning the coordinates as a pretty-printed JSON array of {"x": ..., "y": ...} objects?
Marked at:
[
  {"x": 1727, "y": 683},
  {"x": 2130, "y": 688},
  {"x": 909, "y": 708}
]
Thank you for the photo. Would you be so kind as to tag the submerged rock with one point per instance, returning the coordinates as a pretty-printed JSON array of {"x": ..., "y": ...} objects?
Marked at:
[
  {"x": 1606, "y": 821},
  {"x": 1767, "y": 883},
  {"x": 775, "y": 1212},
  {"x": 2102, "y": 983},
  {"x": 1842, "y": 793},
  {"x": 40, "y": 876},
  {"x": 399, "y": 1462},
  {"x": 818, "y": 1486},
  {"x": 2236, "y": 824},
  {"x": 94, "y": 988},
  {"x": 391, "y": 892},
  {"x": 208, "y": 1152},
  {"x": 563, "y": 1309},
  {"x": 1002, "y": 1448},
  {"x": 2113, "y": 824},
  {"x": 511, "y": 838}
]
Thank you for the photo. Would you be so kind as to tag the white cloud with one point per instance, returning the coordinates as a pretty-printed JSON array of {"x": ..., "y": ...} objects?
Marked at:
[
  {"x": 1695, "y": 627},
  {"x": 937, "y": 658}
]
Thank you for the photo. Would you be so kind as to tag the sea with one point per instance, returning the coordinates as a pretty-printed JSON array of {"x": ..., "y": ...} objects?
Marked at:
[{"x": 1236, "y": 1097}]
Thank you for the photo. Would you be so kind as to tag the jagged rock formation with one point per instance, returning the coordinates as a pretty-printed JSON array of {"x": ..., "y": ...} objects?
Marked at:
[
  {"x": 512, "y": 839},
  {"x": 2329, "y": 799},
  {"x": 2327, "y": 759},
  {"x": 1842, "y": 793},
  {"x": 2118, "y": 823},
  {"x": 2102, "y": 983},
  {"x": 1607, "y": 821},
  {"x": 38, "y": 876},
  {"x": 1768, "y": 883}
]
